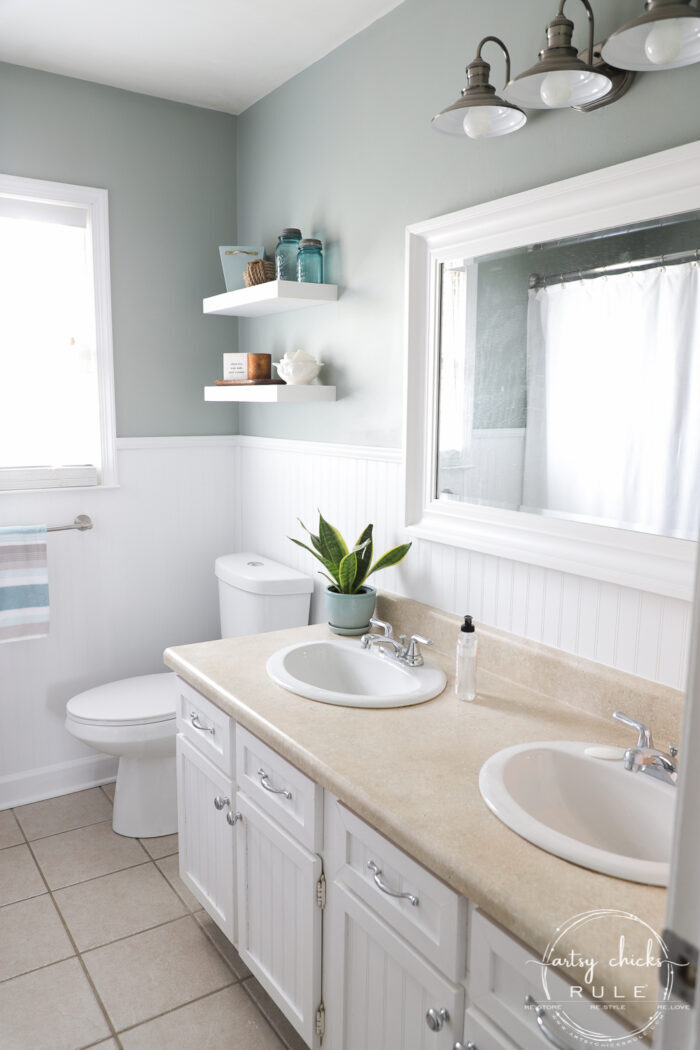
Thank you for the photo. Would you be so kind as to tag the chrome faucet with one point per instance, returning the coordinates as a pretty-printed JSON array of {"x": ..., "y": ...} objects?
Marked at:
[
  {"x": 645, "y": 758},
  {"x": 403, "y": 650}
]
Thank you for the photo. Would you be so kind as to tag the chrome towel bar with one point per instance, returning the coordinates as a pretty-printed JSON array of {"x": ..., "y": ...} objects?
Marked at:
[{"x": 82, "y": 523}]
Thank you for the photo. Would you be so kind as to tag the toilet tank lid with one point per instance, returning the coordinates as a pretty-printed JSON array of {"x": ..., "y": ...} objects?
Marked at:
[{"x": 259, "y": 575}]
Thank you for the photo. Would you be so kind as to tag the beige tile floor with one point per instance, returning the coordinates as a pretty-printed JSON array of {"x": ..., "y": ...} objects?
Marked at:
[{"x": 102, "y": 945}]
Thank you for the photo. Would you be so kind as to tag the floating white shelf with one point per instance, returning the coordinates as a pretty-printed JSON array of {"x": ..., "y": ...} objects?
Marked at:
[
  {"x": 270, "y": 298},
  {"x": 272, "y": 394}
]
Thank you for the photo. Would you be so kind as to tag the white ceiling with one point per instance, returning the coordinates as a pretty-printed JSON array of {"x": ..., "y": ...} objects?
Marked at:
[{"x": 221, "y": 54}]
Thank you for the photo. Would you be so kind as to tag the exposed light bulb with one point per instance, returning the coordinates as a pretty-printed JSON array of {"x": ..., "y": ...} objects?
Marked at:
[
  {"x": 663, "y": 43},
  {"x": 556, "y": 89},
  {"x": 478, "y": 121}
]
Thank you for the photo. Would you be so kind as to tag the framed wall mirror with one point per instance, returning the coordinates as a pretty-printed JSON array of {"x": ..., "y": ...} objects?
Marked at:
[{"x": 553, "y": 375}]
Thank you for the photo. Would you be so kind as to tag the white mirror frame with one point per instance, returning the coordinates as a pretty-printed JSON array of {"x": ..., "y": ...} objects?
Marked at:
[{"x": 662, "y": 184}]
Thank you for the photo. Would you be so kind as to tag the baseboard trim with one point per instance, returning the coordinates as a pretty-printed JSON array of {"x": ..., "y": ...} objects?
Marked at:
[{"x": 35, "y": 785}]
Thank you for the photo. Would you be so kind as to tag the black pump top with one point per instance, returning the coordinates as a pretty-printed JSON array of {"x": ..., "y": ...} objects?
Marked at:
[{"x": 468, "y": 625}]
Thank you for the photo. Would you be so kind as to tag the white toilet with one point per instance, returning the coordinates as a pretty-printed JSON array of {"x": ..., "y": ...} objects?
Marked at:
[{"x": 134, "y": 718}]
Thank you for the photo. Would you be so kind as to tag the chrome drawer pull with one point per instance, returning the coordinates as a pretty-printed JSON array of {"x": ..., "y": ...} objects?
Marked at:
[
  {"x": 264, "y": 780},
  {"x": 233, "y": 818},
  {"x": 220, "y": 801},
  {"x": 470, "y": 1046},
  {"x": 385, "y": 889},
  {"x": 541, "y": 1016},
  {"x": 435, "y": 1019},
  {"x": 198, "y": 725}
]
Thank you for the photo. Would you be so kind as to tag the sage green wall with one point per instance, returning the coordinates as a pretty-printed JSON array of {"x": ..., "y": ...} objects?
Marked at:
[
  {"x": 345, "y": 151},
  {"x": 170, "y": 172}
]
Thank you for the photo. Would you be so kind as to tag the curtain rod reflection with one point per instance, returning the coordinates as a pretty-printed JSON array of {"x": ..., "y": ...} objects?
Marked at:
[{"x": 544, "y": 281}]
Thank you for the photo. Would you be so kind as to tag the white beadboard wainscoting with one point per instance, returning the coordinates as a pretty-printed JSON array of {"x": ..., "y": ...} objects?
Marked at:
[
  {"x": 279, "y": 480},
  {"x": 141, "y": 580}
]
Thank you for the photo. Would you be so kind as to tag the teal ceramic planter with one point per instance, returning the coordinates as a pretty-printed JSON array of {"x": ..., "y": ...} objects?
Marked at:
[{"x": 350, "y": 613}]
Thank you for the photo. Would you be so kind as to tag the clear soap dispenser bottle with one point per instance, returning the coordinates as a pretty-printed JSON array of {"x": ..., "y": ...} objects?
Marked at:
[{"x": 467, "y": 643}]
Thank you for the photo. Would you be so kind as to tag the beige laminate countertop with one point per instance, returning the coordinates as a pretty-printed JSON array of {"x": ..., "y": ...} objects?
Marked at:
[{"x": 413, "y": 774}]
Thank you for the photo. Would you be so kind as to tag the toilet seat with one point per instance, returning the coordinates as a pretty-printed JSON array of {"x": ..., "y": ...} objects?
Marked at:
[{"x": 143, "y": 700}]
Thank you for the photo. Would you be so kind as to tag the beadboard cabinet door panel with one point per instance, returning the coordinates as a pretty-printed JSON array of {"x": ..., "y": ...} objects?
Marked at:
[
  {"x": 207, "y": 840},
  {"x": 379, "y": 990},
  {"x": 279, "y": 918}
]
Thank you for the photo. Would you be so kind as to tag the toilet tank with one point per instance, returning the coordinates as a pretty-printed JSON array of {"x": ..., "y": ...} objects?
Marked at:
[{"x": 257, "y": 594}]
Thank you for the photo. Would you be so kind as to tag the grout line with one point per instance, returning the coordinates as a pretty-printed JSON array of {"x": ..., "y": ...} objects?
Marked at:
[
  {"x": 66, "y": 831},
  {"x": 84, "y": 968},
  {"x": 69, "y": 885},
  {"x": 78, "y": 954},
  {"x": 180, "y": 1006},
  {"x": 137, "y": 933}
]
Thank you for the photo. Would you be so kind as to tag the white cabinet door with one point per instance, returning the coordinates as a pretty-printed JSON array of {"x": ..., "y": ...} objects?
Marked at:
[
  {"x": 378, "y": 989},
  {"x": 279, "y": 920},
  {"x": 207, "y": 841}
]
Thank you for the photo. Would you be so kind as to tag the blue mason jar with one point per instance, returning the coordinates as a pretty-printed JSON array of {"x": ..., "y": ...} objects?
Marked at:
[
  {"x": 286, "y": 254},
  {"x": 310, "y": 261}
]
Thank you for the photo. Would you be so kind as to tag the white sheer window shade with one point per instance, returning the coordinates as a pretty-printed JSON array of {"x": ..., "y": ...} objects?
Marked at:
[{"x": 56, "y": 383}]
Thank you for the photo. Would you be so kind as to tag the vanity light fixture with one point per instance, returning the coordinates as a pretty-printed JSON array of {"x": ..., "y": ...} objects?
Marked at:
[
  {"x": 666, "y": 36},
  {"x": 480, "y": 113},
  {"x": 562, "y": 78}
]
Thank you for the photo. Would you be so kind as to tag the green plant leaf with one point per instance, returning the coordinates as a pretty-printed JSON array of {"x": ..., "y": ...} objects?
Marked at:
[
  {"x": 346, "y": 572},
  {"x": 333, "y": 546},
  {"x": 326, "y": 564},
  {"x": 314, "y": 539},
  {"x": 365, "y": 559},
  {"x": 392, "y": 557}
]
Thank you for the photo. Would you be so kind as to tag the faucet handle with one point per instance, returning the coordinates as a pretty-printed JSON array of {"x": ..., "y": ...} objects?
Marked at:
[
  {"x": 413, "y": 656},
  {"x": 386, "y": 627},
  {"x": 645, "y": 738}
]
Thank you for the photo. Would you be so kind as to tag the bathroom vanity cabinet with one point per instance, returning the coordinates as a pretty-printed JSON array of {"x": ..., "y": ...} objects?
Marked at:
[{"x": 361, "y": 947}]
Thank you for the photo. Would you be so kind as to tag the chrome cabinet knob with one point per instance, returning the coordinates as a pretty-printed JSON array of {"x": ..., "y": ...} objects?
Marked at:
[
  {"x": 435, "y": 1019},
  {"x": 233, "y": 818},
  {"x": 220, "y": 802}
]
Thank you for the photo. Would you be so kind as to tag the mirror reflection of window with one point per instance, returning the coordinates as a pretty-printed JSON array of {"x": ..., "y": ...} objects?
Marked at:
[
  {"x": 457, "y": 349},
  {"x": 570, "y": 378}
]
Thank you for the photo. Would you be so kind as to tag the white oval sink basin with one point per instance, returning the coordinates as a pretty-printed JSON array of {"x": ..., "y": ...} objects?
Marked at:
[
  {"x": 587, "y": 810},
  {"x": 340, "y": 672}
]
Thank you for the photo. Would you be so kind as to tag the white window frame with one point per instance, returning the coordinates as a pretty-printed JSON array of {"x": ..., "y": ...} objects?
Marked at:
[{"x": 96, "y": 202}]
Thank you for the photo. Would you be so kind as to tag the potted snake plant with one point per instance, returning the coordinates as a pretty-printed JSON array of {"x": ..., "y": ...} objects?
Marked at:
[{"x": 349, "y": 599}]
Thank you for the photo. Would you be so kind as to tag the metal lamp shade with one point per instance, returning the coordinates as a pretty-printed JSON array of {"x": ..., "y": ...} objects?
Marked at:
[
  {"x": 480, "y": 113},
  {"x": 667, "y": 36},
  {"x": 488, "y": 117},
  {"x": 571, "y": 80}
]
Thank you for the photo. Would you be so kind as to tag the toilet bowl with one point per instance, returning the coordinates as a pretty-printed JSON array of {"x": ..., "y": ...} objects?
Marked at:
[{"x": 134, "y": 718}]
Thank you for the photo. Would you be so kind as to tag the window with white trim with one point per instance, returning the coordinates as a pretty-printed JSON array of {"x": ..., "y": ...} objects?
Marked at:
[{"x": 56, "y": 375}]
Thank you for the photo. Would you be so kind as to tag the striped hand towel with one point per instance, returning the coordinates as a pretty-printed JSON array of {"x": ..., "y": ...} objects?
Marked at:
[{"x": 24, "y": 583}]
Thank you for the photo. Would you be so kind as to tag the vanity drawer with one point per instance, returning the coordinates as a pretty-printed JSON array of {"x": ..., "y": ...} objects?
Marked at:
[
  {"x": 480, "y": 1034},
  {"x": 436, "y": 925},
  {"x": 280, "y": 789},
  {"x": 502, "y": 971},
  {"x": 206, "y": 726}
]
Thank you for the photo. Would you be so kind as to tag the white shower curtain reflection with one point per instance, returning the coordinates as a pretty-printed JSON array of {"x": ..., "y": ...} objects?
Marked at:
[{"x": 613, "y": 419}]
